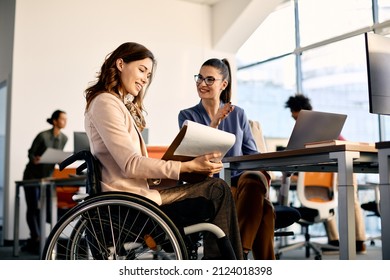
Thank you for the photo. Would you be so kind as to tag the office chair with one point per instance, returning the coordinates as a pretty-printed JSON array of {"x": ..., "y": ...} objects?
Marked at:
[
  {"x": 285, "y": 215},
  {"x": 317, "y": 194}
]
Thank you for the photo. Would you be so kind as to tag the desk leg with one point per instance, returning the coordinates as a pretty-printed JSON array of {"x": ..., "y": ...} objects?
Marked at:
[
  {"x": 53, "y": 198},
  {"x": 346, "y": 205},
  {"x": 285, "y": 189},
  {"x": 42, "y": 221},
  {"x": 384, "y": 203},
  {"x": 16, "y": 221},
  {"x": 226, "y": 174}
]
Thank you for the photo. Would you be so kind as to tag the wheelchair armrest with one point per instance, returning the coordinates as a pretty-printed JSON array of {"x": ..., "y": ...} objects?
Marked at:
[
  {"x": 93, "y": 169},
  {"x": 82, "y": 155},
  {"x": 81, "y": 168}
]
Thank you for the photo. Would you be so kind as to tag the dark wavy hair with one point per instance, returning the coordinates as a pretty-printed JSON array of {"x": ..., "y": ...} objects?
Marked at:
[
  {"x": 223, "y": 67},
  {"x": 298, "y": 102},
  {"x": 108, "y": 79}
]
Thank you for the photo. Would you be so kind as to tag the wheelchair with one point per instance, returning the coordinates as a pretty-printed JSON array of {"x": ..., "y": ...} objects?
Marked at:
[{"x": 125, "y": 226}]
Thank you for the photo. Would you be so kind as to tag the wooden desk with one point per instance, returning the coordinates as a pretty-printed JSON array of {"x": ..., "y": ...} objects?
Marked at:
[
  {"x": 343, "y": 159},
  {"x": 43, "y": 184},
  {"x": 384, "y": 190}
]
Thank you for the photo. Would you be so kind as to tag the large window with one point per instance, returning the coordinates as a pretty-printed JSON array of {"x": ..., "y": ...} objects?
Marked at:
[
  {"x": 334, "y": 76},
  {"x": 384, "y": 10},
  {"x": 320, "y": 20},
  {"x": 266, "y": 87},
  {"x": 328, "y": 65},
  {"x": 271, "y": 39}
]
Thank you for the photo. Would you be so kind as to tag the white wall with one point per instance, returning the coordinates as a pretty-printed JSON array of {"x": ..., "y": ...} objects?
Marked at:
[{"x": 60, "y": 45}]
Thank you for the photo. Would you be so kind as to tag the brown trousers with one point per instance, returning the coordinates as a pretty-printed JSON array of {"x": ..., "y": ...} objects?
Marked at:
[
  {"x": 219, "y": 192},
  {"x": 256, "y": 215}
]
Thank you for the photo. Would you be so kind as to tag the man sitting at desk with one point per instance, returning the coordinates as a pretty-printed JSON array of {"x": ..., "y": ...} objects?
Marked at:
[{"x": 300, "y": 102}]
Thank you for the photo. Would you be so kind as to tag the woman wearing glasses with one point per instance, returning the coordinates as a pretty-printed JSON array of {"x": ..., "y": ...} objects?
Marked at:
[
  {"x": 250, "y": 189},
  {"x": 114, "y": 121}
]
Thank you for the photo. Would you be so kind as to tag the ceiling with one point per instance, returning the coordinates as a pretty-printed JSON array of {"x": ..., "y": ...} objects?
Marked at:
[{"x": 233, "y": 21}]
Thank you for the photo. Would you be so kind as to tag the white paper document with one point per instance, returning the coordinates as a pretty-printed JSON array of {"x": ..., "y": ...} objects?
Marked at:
[
  {"x": 53, "y": 156},
  {"x": 196, "y": 139},
  {"x": 201, "y": 139}
]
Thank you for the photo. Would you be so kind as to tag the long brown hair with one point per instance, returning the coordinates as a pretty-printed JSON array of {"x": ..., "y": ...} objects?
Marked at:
[{"x": 108, "y": 79}]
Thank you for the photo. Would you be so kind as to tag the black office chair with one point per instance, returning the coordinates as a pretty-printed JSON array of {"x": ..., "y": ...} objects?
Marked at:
[
  {"x": 285, "y": 217},
  {"x": 318, "y": 196}
]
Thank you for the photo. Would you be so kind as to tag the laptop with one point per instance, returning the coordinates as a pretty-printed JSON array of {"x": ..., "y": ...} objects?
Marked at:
[
  {"x": 80, "y": 141},
  {"x": 313, "y": 126}
]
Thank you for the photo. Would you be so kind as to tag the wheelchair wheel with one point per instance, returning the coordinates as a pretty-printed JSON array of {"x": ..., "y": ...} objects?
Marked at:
[{"x": 115, "y": 226}]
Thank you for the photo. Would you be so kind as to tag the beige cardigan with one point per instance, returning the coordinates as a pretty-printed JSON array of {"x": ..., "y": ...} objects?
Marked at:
[{"x": 118, "y": 145}]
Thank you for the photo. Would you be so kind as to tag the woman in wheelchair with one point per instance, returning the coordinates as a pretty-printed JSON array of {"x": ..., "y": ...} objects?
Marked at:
[{"x": 114, "y": 120}]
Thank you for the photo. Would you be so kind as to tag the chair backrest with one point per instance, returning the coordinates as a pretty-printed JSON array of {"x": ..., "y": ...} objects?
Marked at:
[
  {"x": 257, "y": 133},
  {"x": 317, "y": 190}
]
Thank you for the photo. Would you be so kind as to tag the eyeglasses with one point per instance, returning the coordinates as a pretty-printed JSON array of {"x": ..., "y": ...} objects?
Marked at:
[{"x": 208, "y": 80}]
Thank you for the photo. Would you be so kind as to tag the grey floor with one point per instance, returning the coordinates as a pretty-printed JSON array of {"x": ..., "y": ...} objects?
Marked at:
[{"x": 373, "y": 252}]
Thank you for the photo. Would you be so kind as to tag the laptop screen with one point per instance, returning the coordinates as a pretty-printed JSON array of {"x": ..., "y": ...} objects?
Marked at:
[{"x": 313, "y": 126}]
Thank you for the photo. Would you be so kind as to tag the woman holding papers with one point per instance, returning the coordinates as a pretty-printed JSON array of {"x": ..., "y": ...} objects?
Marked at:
[
  {"x": 250, "y": 189},
  {"x": 51, "y": 138},
  {"x": 113, "y": 122}
]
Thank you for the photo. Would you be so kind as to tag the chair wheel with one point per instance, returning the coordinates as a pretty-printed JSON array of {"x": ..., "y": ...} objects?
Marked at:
[
  {"x": 278, "y": 255},
  {"x": 318, "y": 257}
]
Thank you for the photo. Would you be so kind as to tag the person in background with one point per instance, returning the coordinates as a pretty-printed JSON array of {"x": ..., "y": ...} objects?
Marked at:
[
  {"x": 300, "y": 102},
  {"x": 250, "y": 189},
  {"x": 114, "y": 121},
  {"x": 51, "y": 138}
]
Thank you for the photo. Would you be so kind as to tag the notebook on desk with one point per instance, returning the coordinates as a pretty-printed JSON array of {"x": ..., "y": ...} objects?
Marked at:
[{"x": 313, "y": 126}]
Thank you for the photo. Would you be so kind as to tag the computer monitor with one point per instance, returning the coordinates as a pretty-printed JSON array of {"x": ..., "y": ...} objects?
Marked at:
[
  {"x": 378, "y": 72},
  {"x": 80, "y": 141}
]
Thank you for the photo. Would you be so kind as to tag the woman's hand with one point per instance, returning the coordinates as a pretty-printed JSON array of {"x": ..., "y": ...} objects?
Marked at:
[
  {"x": 221, "y": 114},
  {"x": 208, "y": 164}
]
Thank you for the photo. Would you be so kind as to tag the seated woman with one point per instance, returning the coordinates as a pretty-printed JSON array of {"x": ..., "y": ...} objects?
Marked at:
[
  {"x": 114, "y": 121},
  {"x": 255, "y": 211}
]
